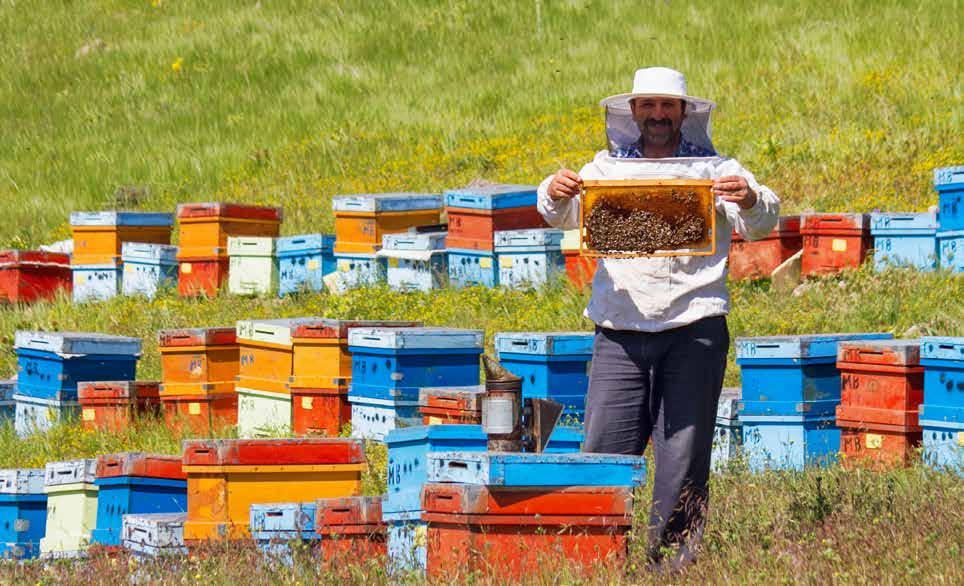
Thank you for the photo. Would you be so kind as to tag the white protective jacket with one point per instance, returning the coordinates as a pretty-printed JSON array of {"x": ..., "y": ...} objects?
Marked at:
[{"x": 660, "y": 293}]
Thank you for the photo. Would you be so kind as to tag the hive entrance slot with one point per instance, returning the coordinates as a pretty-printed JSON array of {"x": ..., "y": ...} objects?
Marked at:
[{"x": 461, "y": 465}]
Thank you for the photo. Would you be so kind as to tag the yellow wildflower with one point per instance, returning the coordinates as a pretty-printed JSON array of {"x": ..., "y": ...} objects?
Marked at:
[{"x": 176, "y": 66}]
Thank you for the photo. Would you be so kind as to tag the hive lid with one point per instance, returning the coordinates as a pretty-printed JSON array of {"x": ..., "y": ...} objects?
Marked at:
[
  {"x": 33, "y": 257},
  {"x": 76, "y": 343},
  {"x": 918, "y": 222},
  {"x": 353, "y": 510},
  {"x": 948, "y": 176},
  {"x": 544, "y": 343},
  {"x": 70, "y": 472},
  {"x": 250, "y": 246},
  {"x": 272, "y": 331},
  {"x": 542, "y": 237},
  {"x": 117, "y": 389},
  {"x": 798, "y": 346},
  {"x": 139, "y": 464},
  {"x": 563, "y": 501},
  {"x": 235, "y": 452},
  {"x": 886, "y": 352},
  {"x": 304, "y": 243},
  {"x": 415, "y": 338},
  {"x": 164, "y": 253},
  {"x": 338, "y": 328},
  {"x": 786, "y": 225},
  {"x": 420, "y": 242},
  {"x": 463, "y": 398},
  {"x": 545, "y": 469},
  {"x": 121, "y": 219},
  {"x": 830, "y": 222},
  {"x": 22, "y": 481},
  {"x": 219, "y": 336},
  {"x": 447, "y": 431},
  {"x": 492, "y": 196},
  {"x": 386, "y": 202},
  {"x": 942, "y": 348},
  {"x": 228, "y": 210}
]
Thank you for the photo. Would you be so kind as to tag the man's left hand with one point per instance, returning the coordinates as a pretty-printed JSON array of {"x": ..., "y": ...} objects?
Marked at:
[{"x": 735, "y": 188}]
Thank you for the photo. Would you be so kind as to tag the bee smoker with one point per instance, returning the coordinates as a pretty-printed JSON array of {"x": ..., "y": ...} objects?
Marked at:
[{"x": 510, "y": 423}]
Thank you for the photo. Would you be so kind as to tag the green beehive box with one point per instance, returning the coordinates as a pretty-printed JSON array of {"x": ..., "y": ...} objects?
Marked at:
[
  {"x": 253, "y": 269},
  {"x": 263, "y": 413},
  {"x": 71, "y": 507}
]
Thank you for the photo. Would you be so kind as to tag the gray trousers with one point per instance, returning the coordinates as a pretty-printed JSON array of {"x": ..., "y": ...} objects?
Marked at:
[{"x": 664, "y": 385}]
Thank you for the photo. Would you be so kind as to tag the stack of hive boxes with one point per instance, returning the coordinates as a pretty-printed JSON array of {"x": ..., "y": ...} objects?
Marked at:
[
  {"x": 391, "y": 365},
  {"x": 148, "y": 268},
  {"x": 529, "y": 258},
  {"x": 29, "y": 275},
  {"x": 23, "y": 512},
  {"x": 198, "y": 371},
  {"x": 580, "y": 269},
  {"x": 904, "y": 240},
  {"x": 415, "y": 261},
  {"x": 204, "y": 229},
  {"x": 50, "y": 366},
  {"x": 791, "y": 389},
  {"x": 949, "y": 182},
  {"x": 475, "y": 214},
  {"x": 362, "y": 221},
  {"x": 135, "y": 483},
  {"x": 253, "y": 269},
  {"x": 833, "y": 242},
  {"x": 756, "y": 259},
  {"x": 506, "y": 515},
  {"x": 71, "y": 507},
  {"x": 115, "y": 405},
  {"x": 99, "y": 238},
  {"x": 304, "y": 261},
  {"x": 321, "y": 374},
  {"x": 226, "y": 477},
  {"x": 881, "y": 389},
  {"x": 942, "y": 413}
]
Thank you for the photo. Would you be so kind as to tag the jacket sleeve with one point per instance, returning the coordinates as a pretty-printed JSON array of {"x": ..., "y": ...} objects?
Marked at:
[
  {"x": 758, "y": 221},
  {"x": 563, "y": 213}
]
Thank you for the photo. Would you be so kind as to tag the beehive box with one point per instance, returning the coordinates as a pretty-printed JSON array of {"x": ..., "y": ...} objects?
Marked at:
[
  {"x": 114, "y": 405},
  {"x": 29, "y": 275},
  {"x": 205, "y": 227},
  {"x": 148, "y": 268},
  {"x": 943, "y": 362},
  {"x": 949, "y": 183},
  {"x": 201, "y": 275},
  {"x": 202, "y": 413},
  {"x": 904, "y": 240},
  {"x": 135, "y": 483},
  {"x": 303, "y": 261},
  {"x": 23, "y": 512},
  {"x": 451, "y": 404},
  {"x": 758, "y": 258},
  {"x": 546, "y": 469},
  {"x": 362, "y": 220},
  {"x": 154, "y": 534},
  {"x": 71, "y": 507},
  {"x": 194, "y": 356},
  {"x": 529, "y": 258},
  {"x": 626, "y": 218},
  {"x": 350, "y": 528},
  {"x": 510, "y": 534},
  {"x": 267, "y": 354},
  {"x": 789, "y": 442},
  {"x": 374, "y": 418},
  {"x": 881, "y": 382},
  {"x": 833, "y": 242},
  {"x": 322, "y": 412},
  {"x": 263, "y": 413},
  {"x": 415, "y": 262},
  {"x": 877, "y": 445},
  {"x": 951, "y": 250},
  {"x": 35, "y": 415},
  {"x": 476, "y": 213},
  {"x": 97, "y": 282},
  {"x": 470, "y": 268},
  {"x": 275, "y": 526},
  {"x": 792, "y": 375},
  {"x": 225, "y": 477},
  {"x": 252, "y": 269},
  {"x": 99, "y": 236}
]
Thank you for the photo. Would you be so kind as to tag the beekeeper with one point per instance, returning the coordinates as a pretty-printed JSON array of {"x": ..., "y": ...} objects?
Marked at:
[{"x": 661, "y": 338}]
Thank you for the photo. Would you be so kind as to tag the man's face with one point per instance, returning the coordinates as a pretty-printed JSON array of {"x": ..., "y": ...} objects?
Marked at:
[{"x": 658, "y": 119}]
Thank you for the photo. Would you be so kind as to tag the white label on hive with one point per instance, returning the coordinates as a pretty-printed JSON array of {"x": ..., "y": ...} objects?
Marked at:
[
  {"x": 505, "y": 261},
  {"x": 344, "y": 266},
  {"x": 194, "y": 408},
  {"x": 186, "y": 268},
  {"x": 307, "y": 402},
  {"x": 960, "y": 438},
  {"x": 393, "y": 262},
  {"x": 485, "y": 263},
  {"x": 89, "y": 414},
  {"x": 874, "y": 441},
  {"x": 21, "y": 525},
  {"x": 313, "y": 265},
  {"x": 81, "y": 279},
  {"x": 434, "y": 420},
  {"x": 839, "y": 245}
]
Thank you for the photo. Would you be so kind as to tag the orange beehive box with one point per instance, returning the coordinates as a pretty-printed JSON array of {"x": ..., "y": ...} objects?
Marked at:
[
  {"x": 322, "y": 412},
  {"x": 579, "y": 269},
  {"x": 474, "y": 229},
  {"x": 99, "y": 236},
  {"x": 225, "y": 477},
  {"x": 881, "y": 381},
  {"x": 204, "y": 275},
  {"x": 267, "y": 353},
  {"x": 833, "y": 242},
  {"x": 205, "y": 227},
  {"x": 113, "y": 405},
  {"x": 321, "y": 357},
  {"x": 198, "y": 355},
  {"x": 756, "y": 259},
  {"x": 511, "y": 533},
  {"x": 351, "y": 528},
  {"x": 140, "y": 464},
  {"x": 362, "y": 220},
  {"x": 879, "y": 446},
  {"x": 202, "y": 412}
]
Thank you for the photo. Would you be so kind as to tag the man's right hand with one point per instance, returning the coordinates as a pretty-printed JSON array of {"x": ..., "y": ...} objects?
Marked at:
[{"x": 565, "y": 184}]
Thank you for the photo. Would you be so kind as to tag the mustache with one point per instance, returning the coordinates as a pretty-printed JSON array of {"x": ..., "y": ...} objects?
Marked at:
[{"x": 665, "y": 122}]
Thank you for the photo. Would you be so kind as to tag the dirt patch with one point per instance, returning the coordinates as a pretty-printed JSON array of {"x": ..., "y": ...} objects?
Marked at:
[{"x": 614, "y": 226}]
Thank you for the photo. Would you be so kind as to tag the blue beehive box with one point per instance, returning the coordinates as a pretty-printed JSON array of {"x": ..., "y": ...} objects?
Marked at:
[
  {"x": 50, "y": 364},
  {"x": 96, "y": 282},
  {"x": 148, "y": 267},
  {"x": 552, "y": 365},
  {"x": 374, "y": 418},
  {"x": 728, "y": 434},
  {"x": 519, "y": 469},
  {"x": 529, "y": 258},
  {"x": 276, "y": 526},
  {"x": 904, "y": 240},
  {"x": 394, "y": 363},
  {"x": 303, "y": 261},
  {"x": 8, "y": 405},
  {"x": 789, "y": 442},
  {"x": 951, "y": 250},
  {"x": 943, "y": 444},
  {"x": 949, "y": 182},
  {"x": 38, "y": 415},
  {"x": 943, "y": 362},
  {"x": 154, "y": 534},
  {"x": 406, "y": 539},
  {"x": 359, "y": 270},
  {"x": 494, "y": 196},
  {"x": 792, "y": 375},
  {"x": 23, "y": 513},
  {"x": 415, "y": 262},
  {"x": 468, "y": 268}
]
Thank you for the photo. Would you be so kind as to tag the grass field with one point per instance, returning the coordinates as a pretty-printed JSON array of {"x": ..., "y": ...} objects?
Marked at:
[{"x": 835, "y": 105}]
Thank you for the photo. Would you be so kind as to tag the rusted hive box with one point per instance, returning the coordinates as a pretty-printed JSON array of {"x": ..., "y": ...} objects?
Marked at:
[{"x": 652, "y": 217}]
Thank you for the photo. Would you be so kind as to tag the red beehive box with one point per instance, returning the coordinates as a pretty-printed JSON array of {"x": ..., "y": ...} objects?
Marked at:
[
  {"x": 113, "y": 405},
  {"x": 879, "y": 446},
  {"x": 201, "y": 413},
  {"x": 513, "y": 532},
  {"x": 140, "y": 464},
  {"x": 756, "y": 259},
  {"x": 474, "y": 229},
  {"x": 441, "y": 405},
  {"x": 204, "y": 275},
  {"x": 29, "y": 275},
  {"x": 881, "y": 382},
  {"x": 580, "y": 269},
  {"x": 351, "y": 528},
  {"x": 319, "y": 411},
  {"x": 833, "y": 242}
]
